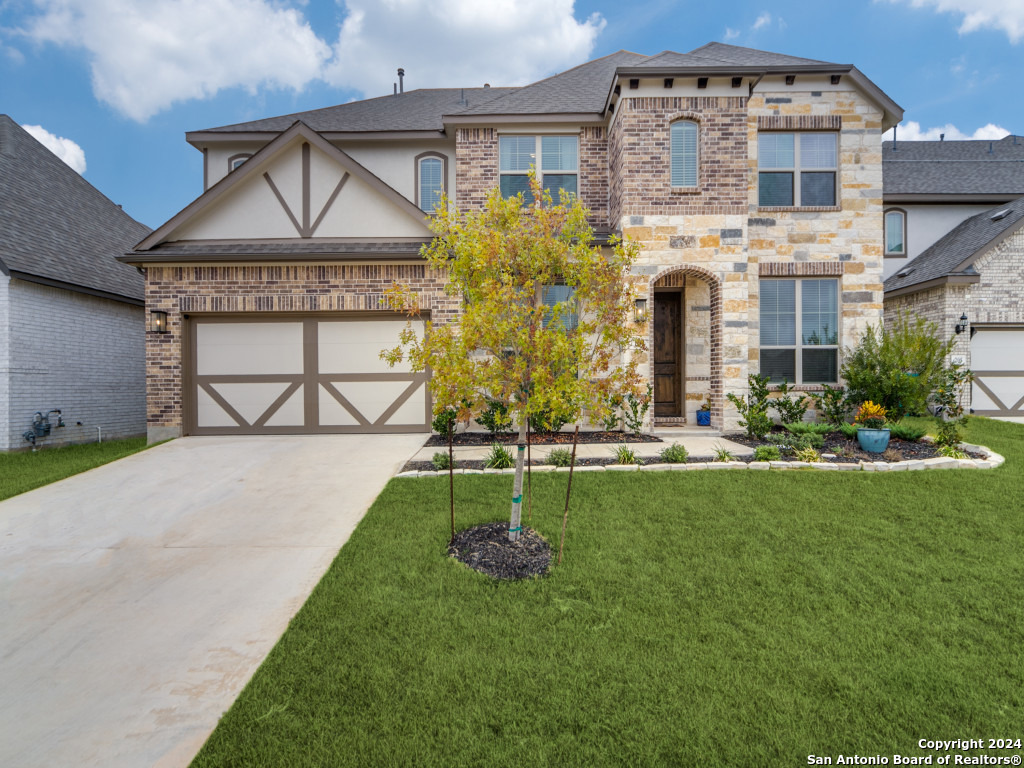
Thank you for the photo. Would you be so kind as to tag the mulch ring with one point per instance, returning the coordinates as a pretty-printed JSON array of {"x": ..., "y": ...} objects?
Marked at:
[
  {"x": 540, "y": 438},
  {"x": 486, "y": 548}
]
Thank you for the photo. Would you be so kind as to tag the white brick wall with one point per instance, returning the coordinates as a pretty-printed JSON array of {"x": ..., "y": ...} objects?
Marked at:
[
  {"x": 82, "y": 354},
  {"x": 5, "y": 365}
]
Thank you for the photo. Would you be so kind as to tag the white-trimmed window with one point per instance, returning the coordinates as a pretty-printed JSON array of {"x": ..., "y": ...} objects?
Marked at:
[
  {"x": 558, "y": 167},
  {"x": 683, "y": 135},
  {"x": 562, "y": 296},
  {"x": 895, "y": 232},
  {"x": 797, "y": 170},
  {"x": 800, "y": 330},
  {"x": 235, "y": 161},
  {"x": 431, "y": 168}
]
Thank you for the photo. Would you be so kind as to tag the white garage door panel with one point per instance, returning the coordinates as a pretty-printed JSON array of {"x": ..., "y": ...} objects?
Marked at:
[
  {"x": 997, "y": 359},
  {"x": 252, "y": 377}
]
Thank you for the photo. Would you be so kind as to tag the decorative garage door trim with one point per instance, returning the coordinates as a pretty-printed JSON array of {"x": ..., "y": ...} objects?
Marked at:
[
  {"x": 318, "y": 388},
  {"x": 1001, "y": 388}
]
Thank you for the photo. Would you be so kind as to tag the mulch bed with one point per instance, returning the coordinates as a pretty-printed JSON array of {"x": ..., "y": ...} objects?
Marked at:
[
  {"x": 540, "y": 438},
  {"x": 486, "y": 548}
]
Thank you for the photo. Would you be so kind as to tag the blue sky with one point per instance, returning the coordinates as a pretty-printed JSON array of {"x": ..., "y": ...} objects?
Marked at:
[{"x": 114, "y": 84}]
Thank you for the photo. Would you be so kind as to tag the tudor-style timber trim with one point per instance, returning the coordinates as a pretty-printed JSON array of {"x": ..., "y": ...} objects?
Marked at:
[
  {"x": 254, "y": 165},
  {"x": 310, "y": 379}
]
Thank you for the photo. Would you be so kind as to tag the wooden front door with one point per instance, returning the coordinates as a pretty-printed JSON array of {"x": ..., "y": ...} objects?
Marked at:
[{"x": 668, "y": 354}]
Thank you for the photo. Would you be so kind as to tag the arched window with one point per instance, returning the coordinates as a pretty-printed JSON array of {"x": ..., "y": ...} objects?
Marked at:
[
  {"x": 895, "y": 232},
  {"x": 430, "y": 180},
  {"x": 684, "y": 153},
  {"x": 236, "y": 160}
]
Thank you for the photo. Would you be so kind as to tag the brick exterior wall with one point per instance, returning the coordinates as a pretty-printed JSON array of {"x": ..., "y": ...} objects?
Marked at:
[
  {"x": 998, "y": 298},
  {"x": 261, "y": 289},
  {"x": 476, "y": 162},
  {"x": 5, "y": 364},
  {"x": 82, "y": 354},
  {"x": 639, "y": 156}
]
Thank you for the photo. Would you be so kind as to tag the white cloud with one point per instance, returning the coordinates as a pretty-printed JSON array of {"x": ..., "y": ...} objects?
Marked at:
[
  {"x": 911, "y": 131},
  {"x": 1007, "y": 15},
  {"x": 449, "y": 43},
  {"x": 731, "y": 34},
  {"x": 762, "y": 21},
  {"x": 148, "y": 54},
  {"x": 65, "y": 149}
]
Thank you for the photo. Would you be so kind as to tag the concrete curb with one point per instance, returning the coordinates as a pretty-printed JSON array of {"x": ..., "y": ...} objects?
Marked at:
[{"x": 991, "y": 461}]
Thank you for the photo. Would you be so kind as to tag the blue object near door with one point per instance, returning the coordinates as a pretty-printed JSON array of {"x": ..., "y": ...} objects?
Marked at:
[{"x": 703, "y": 418}]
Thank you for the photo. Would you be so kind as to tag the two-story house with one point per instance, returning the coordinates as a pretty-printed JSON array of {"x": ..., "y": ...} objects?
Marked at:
[
  {"x": 751, "y": 180},
  {"x": 954, "y": 254}
]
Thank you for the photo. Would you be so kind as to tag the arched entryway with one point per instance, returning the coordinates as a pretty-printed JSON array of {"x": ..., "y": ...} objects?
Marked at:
[{"x": 685, "y": 342}]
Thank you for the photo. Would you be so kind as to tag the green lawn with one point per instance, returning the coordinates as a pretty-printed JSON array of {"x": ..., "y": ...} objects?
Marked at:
[
  {"x": 700, "y": 618},
  {"x": 23, "y": 470}
]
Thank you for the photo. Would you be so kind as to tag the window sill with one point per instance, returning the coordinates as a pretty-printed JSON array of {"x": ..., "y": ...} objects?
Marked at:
[
  {"x": 799, "y": 208},
  {"x": 802, "y": 387},
  {"x": 685, "y": 190},
  {"x": 896, "y": 255}
]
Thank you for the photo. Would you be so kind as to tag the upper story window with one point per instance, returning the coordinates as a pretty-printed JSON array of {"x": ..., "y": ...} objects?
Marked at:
[
  {"x": 797, "y": 169},
  {"x": 895, "y": 232},
  {"x": 560, "y": 306},
  {"x": 431, "y": 173},
  {"x": 800, "y": 330},
  {"x": 684, "y": 153},
  {"x": 558, "y": 167},
  {"x": 235, "y": 161}
]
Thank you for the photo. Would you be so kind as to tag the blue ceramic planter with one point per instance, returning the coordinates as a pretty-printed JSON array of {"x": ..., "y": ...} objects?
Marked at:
[
  {"x": 873, "y": 440},
  {"x": 703, "y": 418}
]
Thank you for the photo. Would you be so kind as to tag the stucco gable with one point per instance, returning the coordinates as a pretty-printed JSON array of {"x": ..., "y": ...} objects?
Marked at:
[{"x": 298, "y": 186}]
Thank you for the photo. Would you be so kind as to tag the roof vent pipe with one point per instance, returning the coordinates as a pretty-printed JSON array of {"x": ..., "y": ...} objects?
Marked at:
[
  {"x": 401, "y": 80},
  {"x": 990, "y": 147},
  {"x": 942, "y": 137}
]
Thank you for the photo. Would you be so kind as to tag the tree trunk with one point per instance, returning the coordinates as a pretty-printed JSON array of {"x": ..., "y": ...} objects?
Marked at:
[{"x": 515, "y": 526}]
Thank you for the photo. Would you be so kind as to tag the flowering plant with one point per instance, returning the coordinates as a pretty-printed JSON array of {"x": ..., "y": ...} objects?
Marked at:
[{"x": 870, "y": 415}]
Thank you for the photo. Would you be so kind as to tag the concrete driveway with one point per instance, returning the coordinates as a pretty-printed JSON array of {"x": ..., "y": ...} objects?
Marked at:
[{"x": 137, "y": 599}]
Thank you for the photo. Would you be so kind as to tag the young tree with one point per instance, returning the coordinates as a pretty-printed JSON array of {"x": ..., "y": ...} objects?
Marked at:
[{"x": 546, "y": 325}]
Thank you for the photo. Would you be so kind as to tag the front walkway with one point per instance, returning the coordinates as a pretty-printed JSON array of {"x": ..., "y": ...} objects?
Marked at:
[{"x": 137, "y": 599}]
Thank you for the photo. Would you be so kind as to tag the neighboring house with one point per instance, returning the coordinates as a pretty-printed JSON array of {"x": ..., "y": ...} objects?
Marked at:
[
  {"x": 751, "y": 180},
  {"x": 955, "y": 255},
  {"x": 72, "y": 330},
  {"x": 931, "y": 186}
]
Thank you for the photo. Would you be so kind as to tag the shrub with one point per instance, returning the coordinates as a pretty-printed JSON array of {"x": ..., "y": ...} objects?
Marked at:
[
  {"x": 807, "y": 428},
  {"x": 794, "y": 443},
  {"x": 444, "y": 423},
  {"x": 634, "y": 409},
  {"x": 754, "y": 409},
  {"x": 870, "y": 416},
  {"x": 906, "y": 432},
  {"x": 495, "y": 418},
  {"x": 951, "y": 451},
  {"x": 723, "y": 454},
  {"x": 791, "y": 410},
  {"x": 614, "y": 418},
  {"x": 560, "y": 457},
  {"x": 831, "y": 405},
  {"x": 848, "y": 430},
  {"x": 948, "y": 398},
  {"x": 891, "y": 454},
  {"x": 808, "y": 454},
  {"x": 896, "y": 367},
  {"x": 767, "y": 453},
  {"x": 674, "y": 454},
  {"x": 547, "y": 421},
  {"x": 440, "y": 460},
  {"x": 625, "y": 455},
  {"x": 499, "y": 457}
]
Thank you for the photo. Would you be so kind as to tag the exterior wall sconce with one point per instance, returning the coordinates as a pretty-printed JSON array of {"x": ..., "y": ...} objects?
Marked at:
[
  {"x": 962, "y": 325},
  {"x": 640, "y": 310},
  {"x": 159, "y": 321}
]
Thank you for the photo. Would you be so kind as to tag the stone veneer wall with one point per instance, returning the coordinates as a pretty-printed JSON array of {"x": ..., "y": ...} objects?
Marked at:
[
  {"x": 476, "y": 169},
  {"x": 263, "y": 289},
  {"x": 720, "y": 232}
]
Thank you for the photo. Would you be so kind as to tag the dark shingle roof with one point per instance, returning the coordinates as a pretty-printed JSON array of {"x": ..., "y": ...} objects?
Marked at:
[
  {"x": 55, "y": 225},
  {"x": 722, "y": 55},
  {"x": 969, "y": 238},
  {"x": 580, "y": 89},
  {"x": 418, "y": 110},
  {"x": 954, "y": 167}
]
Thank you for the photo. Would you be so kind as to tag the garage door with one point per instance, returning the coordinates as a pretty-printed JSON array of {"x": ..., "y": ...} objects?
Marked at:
[
  {"x": 997, "y": 359},
  {"x": 304, "y": 375}
]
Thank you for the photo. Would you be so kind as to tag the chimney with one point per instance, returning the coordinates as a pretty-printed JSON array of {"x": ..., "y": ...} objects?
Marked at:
[
  {"x": 942, "y": 137},
  {"x": 401, "y": 80}
]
